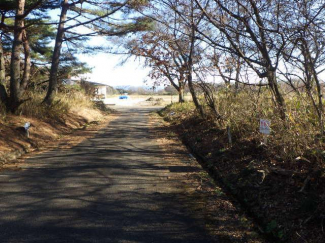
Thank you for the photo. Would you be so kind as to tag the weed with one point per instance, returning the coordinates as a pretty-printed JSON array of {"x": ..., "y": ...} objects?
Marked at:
[
  {"x": 271, "y": 226},
  {"x": 62, "y": 104},
  {"x": 219, "y": 192},
  {"x": 296, "y": 136},
  {"x": 171, "y": 134}
]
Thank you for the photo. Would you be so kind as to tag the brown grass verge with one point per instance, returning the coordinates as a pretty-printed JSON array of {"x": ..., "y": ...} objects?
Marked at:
[
  {"x": 67, "y": 122},
  {"x": 223, "y": 217},
  {"x": 287, "y": 197}
]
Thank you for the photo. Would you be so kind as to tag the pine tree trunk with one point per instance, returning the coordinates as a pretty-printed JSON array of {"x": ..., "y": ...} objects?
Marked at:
[
  {"x": 15, "y": 94},
  {"x": 53, "y": 80},
  {"x": 27, "y": 63},
  {"x": 3, "y": 92}
]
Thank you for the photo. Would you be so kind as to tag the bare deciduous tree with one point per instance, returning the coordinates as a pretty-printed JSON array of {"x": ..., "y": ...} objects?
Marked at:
[{"x": 259, "y": 25}]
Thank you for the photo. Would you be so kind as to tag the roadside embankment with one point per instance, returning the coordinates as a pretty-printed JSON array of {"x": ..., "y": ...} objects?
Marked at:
[
  {"x": 62, "y": 124},
  {"x": 223, "y": 216},
  {"x": 285, "y": 197}
]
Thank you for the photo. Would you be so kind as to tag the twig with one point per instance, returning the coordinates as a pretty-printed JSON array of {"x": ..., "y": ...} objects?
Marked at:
[
  {"x": 305, "y": 183},
  {"x": 301, "y": 237},
  {"x": 263, "y": 175}
]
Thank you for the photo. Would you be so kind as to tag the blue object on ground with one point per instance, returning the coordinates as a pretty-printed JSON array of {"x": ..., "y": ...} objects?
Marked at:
[{"x": 123, "y": 97}]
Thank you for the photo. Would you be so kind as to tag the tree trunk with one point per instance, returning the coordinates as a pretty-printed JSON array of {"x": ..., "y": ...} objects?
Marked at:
[
  {"x": 238, "y": 68},
  {"x": 312, "y": 73},
  {"x": 53, "y": 80},
  {"x": 181, "y": 93},
  {"x": 190, "y": 65},
  {"x": 180, "y": 87},
  {"x": 27, "y": 63},
  {"x": 15, "y": 94},
  {"x": 194, "y": 97},
  {"x": 280, "y": 103},
  {"x": 190, "y": 77},
  {"x": 3, "y": 92},
  {"x": 320, "y": 101}
]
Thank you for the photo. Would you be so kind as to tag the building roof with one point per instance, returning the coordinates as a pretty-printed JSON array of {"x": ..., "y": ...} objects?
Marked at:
[{"x": 96, "y": 84}]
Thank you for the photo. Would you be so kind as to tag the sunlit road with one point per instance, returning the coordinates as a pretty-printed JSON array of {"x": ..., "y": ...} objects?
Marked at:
[{"x": 115, "y": 187}]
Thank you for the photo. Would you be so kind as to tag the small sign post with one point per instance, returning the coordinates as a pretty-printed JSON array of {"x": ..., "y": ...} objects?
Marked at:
[
  {"x": 265, "y": 128},
  {"x": 27, "y": 126}
]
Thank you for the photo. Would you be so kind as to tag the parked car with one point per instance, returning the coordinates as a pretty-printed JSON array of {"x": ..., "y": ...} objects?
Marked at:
[{"x": 123, "y": 97}]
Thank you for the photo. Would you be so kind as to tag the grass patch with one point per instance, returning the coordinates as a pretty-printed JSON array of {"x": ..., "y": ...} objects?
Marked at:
[
  {"x": 281, "y": 183},
  {"x": 61, "y": 106},
  {"x": 298, "y": 136}
]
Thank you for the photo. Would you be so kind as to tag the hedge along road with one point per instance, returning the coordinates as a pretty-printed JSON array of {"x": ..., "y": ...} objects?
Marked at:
[{"x": 115, "y": 187}]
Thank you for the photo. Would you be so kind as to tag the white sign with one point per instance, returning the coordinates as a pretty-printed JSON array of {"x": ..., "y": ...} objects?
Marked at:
[
  {"x": 27, "y": 125},
  {"x": 265, "y": 126}
]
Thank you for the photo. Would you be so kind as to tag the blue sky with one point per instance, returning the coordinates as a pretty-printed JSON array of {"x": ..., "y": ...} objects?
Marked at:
[{"x": 106, "y": 68}]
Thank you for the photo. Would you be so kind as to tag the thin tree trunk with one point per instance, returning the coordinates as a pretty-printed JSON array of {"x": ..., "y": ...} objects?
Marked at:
[
  {"x": 310, "y": 68},
  {"x": 190, "y": 66},
  {"x": 280, "y": 103},
  {"x": 210, "y": 99},
  {"x": 320, "y": 101},
  {"x": 194, "y": 96},
  {"x": 53, "y": 81},
  {"x": 309, "y": 86},
  {"x": 238, "y": 68},
  {"x": 181, "y": 93},
  {"x": 15, "y": 94},
  {"x": 3, "y": 92},
  {"x": 180, "y": 87},
  {"x": 27, "y": 63}
]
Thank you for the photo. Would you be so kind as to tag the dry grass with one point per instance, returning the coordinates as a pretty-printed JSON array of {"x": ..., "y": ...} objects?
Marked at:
[
  {"x": 62, "y": 105},
  {"x": 298, "y": 136},
  {"x": 282, "y": 184},
  {"x": 71, "y": 109},
  {"x": 68, "y": 114}
]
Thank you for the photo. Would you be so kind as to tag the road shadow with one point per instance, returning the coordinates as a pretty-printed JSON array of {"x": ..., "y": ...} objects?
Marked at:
[{"x": 114, "y": 187}]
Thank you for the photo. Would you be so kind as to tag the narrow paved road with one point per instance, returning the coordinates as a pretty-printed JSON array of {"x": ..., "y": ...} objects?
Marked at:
[{"x": 115, "y": 187}]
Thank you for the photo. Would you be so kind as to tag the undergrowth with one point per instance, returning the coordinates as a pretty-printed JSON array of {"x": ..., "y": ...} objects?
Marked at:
[
  {"x": 298, "y": 136},
  {"x": 61, "y": 106},
  {"x": 281, "y": 183}
]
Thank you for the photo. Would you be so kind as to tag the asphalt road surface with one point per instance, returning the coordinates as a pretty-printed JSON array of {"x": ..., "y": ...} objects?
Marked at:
[{"x": 115, "y": 187}]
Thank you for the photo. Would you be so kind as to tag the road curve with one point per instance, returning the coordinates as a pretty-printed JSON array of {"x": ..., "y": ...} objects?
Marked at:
[{"x": 114, "y": 187}]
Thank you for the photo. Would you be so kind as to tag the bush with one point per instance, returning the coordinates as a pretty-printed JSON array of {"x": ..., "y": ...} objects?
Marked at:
[
  {"x": 298, "y": 136},
  {"x": 175, "y": 112},
  {"x": 60, "y": 107}
]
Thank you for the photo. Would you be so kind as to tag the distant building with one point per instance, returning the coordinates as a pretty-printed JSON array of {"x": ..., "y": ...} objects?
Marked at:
[
  {"x": 100, "y": 90},
  {"x": 93, "y": 89},
  {"x": 71, "y": 81}
]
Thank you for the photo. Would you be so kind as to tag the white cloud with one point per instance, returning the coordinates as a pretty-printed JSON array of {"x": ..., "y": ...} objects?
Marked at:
[{"x": 106, "y": 70}]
